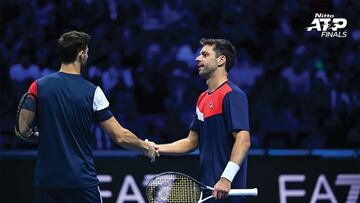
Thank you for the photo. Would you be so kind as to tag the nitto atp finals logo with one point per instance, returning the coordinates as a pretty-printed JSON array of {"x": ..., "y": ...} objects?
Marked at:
[{"x": 328, "y": 25}]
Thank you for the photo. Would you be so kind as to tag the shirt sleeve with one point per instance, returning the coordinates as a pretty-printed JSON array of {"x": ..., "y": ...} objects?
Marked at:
[
  {"x": 236, "y": 111},
  {"x": 30, "y": 101},
  {"x": 33, "y": 88},
  {"x": 194, "y": 126},
  {"x": 101, "y": 106}
]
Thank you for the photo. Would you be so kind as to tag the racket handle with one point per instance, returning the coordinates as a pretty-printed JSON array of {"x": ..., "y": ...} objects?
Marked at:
[{"x": 244, "y": 192}]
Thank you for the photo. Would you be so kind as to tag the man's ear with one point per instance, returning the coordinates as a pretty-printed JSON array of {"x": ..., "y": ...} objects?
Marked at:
[
  {"x": 221, "y": 60},
  {"x": 80, "y": 54}
]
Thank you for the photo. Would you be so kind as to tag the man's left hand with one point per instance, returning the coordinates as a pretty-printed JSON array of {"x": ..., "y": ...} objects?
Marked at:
[{"x": 221, "y": 189}]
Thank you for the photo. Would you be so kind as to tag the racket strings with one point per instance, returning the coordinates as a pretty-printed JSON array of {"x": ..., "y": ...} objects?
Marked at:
[
  {"x": 26, "y": 122},
  {"x": 173, "y": 188}
]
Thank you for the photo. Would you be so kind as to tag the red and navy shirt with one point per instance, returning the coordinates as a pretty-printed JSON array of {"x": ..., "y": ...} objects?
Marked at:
[
  {"x": 67, "y": 106},
  {"x": 218, "y": 115}
]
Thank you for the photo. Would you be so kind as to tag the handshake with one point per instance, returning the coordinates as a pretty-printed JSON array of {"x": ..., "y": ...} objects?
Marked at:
[{"x": 151, "y": 150}]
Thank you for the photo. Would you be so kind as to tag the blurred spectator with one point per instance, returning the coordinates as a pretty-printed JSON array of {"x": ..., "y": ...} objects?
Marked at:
[{"x": 301, "y": 87}]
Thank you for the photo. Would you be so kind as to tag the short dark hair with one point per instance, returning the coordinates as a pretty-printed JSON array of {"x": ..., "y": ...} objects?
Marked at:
[
  {"x": 70, "y": 44},
  {"x": 222, "y": 47}
]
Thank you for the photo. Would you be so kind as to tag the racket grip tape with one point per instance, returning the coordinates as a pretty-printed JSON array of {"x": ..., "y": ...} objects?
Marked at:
[{"x": 243, "y": 192}]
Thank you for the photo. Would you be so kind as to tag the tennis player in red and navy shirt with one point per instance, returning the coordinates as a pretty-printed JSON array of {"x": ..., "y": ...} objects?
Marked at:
[
  {"x": 221, "y": 125},
  {"x": 66, "y": 107}
]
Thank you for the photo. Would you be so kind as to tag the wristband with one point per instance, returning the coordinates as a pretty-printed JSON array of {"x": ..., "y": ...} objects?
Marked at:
[{"x": 230, "y": 171}]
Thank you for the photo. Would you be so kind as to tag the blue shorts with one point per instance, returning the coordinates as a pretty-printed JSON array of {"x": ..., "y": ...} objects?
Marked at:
[{"x": 67, "y": 195}]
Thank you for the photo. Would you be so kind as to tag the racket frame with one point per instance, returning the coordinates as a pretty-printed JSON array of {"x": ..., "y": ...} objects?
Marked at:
[
  {"x": 18, "y": 111},
  {"x": 203, "y": 187}
]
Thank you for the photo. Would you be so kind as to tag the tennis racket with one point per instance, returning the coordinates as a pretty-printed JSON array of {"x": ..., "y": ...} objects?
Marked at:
[
  {"x": 174, "y": 187},
  {"x": 25, "y": 126}
]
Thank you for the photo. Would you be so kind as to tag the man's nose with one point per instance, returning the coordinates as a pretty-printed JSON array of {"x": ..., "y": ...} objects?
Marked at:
[{"x": 197, "y": 59}]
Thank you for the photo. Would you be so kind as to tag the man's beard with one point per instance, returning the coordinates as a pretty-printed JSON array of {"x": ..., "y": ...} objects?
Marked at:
[{"x": 206, "y": 73}]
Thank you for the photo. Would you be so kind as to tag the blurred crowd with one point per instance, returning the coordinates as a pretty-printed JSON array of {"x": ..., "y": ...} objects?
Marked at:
[{"x": 303, "y": 90}]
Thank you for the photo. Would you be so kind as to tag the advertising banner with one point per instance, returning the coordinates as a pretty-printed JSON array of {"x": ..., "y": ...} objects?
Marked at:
[{"x": 283, "y": 179}]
